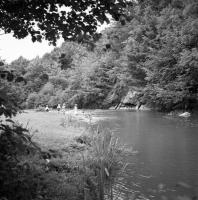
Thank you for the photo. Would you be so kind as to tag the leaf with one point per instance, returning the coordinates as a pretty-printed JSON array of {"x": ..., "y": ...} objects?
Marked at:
[
  {"x": 106, "y": 171},
  {"x": 9, "y": 120}
]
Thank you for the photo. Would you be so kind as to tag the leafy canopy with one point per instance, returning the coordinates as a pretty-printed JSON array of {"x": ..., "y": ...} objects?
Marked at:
[{"x": 47, "y": 19}]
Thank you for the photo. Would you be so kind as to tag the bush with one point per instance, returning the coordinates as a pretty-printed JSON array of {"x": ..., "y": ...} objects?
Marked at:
[
  {"x": 32, "y": 100},
  {"x": 18, "y": 178}
]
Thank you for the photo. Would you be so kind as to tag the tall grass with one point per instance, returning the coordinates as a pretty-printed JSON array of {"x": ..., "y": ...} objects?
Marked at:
[
  {"x": 102, "y": 161},
  {"x": 105, "y": 148},
  {"x": 106, "y": 159}
]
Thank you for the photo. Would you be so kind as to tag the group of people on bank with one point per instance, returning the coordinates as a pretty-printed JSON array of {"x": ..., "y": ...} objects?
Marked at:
[{"x": 61, "y": 108}]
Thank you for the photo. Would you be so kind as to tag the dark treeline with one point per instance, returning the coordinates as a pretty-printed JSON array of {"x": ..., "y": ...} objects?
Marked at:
[{"x": 153, "y": 49}]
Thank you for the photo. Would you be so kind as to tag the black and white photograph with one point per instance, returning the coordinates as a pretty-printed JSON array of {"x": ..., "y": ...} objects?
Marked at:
[{"x": 98, "y": 99}]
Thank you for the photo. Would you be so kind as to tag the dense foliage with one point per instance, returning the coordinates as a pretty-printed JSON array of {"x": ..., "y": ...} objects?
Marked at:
[
  {"x": 152, "y": 50},
  {"x": 166, "y": 44},
  {"x": 50, "y": 19},
  {"x": 155, "y": 50}
]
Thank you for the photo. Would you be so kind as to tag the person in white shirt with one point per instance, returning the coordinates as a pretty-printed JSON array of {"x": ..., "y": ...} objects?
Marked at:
[
  {"x": 58, "y": 107},
  {"x": 47, "y": 108}
]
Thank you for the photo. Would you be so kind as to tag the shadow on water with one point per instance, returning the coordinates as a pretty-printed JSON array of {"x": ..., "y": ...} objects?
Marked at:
[{"x": 166, "y": 166}]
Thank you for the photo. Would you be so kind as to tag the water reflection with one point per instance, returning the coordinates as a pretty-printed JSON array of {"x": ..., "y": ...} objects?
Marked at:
[{"x": 168, "y": 149}]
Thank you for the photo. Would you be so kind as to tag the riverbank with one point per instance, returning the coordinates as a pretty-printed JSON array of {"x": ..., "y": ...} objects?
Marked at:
[
  {"x": 74, "y": 162},
  {"x": 46, "y": 127},
  {"x": 53, "y": 127}
]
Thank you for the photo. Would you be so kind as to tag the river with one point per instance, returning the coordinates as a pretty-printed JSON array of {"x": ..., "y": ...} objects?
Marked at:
[{"x": 167, "y": 163}]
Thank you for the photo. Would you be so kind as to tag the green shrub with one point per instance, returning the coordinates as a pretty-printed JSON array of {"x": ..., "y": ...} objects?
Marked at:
[
  {"x": 18, "y": 177},
  {"x": 32, "y": 100}
]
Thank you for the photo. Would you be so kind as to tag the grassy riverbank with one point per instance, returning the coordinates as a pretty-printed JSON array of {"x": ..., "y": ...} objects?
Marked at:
[
  {"x": 74, "y": 161},
  {"x": 47, "y": 128}
]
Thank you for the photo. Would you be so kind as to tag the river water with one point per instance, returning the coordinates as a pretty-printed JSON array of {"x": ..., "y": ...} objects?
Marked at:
[{"x": 167, "y": 159}]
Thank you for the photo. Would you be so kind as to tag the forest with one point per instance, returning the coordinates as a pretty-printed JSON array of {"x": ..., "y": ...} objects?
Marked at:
[{"x": 152, "y": 49}]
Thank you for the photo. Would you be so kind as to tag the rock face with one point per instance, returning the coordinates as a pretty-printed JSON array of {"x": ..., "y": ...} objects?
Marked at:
[
  {"x": 131, "y": 98},
  {"x": 144, "y": 108}
]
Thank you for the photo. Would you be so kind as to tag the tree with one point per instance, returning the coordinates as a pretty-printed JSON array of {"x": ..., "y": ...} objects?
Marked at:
[
  {"x": 48, "y": 19},
  {"x": 19, "y": 65},
  {"x": 36, "y": 77}
]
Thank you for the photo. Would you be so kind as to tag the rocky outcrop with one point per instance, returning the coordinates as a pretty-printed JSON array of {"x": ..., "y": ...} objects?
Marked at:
[
  {"x": 144, "y": 108},
  {"x": 131, "y": 98}
]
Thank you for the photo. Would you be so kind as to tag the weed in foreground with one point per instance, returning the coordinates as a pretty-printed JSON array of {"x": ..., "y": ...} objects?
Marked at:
[{"x": 102, "y": 164}]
